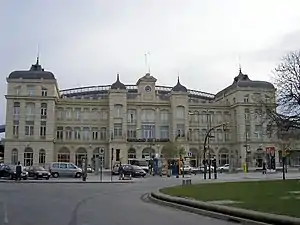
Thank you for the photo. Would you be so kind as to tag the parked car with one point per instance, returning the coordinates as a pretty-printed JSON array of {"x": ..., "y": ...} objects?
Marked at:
[
  {"x": 134, "y": 171},
  {"x": 224, "y": 168},
  {"x": 9, "y": 171},
  {"x": 115, "y": 169},
  {"x": 38, "y": 172},
  {"x": 144, "y": 164},
  {"x": 186, "y": 169},
  {"x": 64, "y": 169}
]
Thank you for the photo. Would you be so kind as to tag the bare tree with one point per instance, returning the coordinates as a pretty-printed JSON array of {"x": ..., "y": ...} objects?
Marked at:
[
  {"x": 285, "y": 113},
  {"x": 172, "y": 150}
]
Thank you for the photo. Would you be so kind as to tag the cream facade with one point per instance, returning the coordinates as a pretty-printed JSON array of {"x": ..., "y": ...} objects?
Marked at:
[{"x": 45, "y": 124}]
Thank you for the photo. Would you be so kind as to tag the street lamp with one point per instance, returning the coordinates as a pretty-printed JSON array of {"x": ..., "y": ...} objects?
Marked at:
[
  {"x": 198, "y": 114},
  {"x": 247, "y": 152},
  {"x": 224, "y": 125}
]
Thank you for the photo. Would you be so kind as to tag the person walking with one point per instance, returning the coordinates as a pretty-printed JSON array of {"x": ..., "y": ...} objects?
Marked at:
[
  {"x": 120, "y": 170},
  {"x": 264, "y": 169},
  {"x": 18, "y": 171}
]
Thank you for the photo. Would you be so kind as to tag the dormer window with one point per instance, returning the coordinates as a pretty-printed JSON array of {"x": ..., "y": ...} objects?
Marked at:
[{"x": 44, "y": 92}]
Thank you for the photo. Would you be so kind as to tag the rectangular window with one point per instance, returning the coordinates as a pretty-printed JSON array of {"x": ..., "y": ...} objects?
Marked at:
[
  {"x": 258, "y": 131},
  {"x": 86, "y": 114},
  {"x": 69, "y": 114},
  {"x": 77, "y": 114},
  {"x": 43, "y": 129},
  {"x": 164, "y": 116},
  {"x": 180, "y": 130},
  {"x": 30, "y": 111},
  {"x": 86, "y": 133},
  {"x": 148, "y": 131},
  {"x": 196, "y": 134},
  {"x": 44, "y": 92},
  {"x": 118, "y": 154},
  {"x": 29, "y": 128},
  {"x": 118, "y": 111},
  {"x": 16, "y": 111},
  {"x": 95, "y": 133},
  {"x": 227, "y": 135},
  {"x": 44, "y": 111},
  {"x": 118, "y": 130},
  {"x": 16, "y": 128},
  {"x": 18, "y": 91},
  {"x": 131, "y": 131},
  {"x": 248, "y": 132},
  {"x": 77, "y": 133},
  {"x": 60, "y": 133},
  {"x": 164, "y": 132},
  {"x": 103, "y": 133},
  {"x": 69, "y": 133},
  {"x": 131, "y": 116},
  {"x": 31, "y": 90},
  {"x": 219, "y": 135}
]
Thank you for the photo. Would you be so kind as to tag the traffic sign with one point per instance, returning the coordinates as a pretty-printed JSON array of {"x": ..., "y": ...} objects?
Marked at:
[{"x": 190, "y": 154}]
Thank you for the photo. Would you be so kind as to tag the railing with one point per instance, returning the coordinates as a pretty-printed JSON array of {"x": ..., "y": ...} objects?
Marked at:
[{"x": 90, "y": 90}]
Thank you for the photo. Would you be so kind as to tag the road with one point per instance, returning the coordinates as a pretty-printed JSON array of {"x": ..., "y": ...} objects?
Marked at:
[{"x": 94, "y": 203}]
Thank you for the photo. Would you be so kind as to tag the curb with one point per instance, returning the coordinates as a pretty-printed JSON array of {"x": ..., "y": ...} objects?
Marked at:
[
  {"x": 223, "y": 212},
  {"x": 64, "y": 182}
]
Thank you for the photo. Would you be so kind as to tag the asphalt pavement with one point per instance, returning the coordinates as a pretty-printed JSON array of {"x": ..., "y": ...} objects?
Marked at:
[{"x": 96, "y": 203}]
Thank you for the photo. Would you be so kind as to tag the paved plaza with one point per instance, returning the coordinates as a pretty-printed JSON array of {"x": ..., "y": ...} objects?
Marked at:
[{"x": 96, "y": 203}]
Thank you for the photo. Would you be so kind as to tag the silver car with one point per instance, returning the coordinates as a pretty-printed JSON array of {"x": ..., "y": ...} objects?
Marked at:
[{"x": 64, "y": 169}]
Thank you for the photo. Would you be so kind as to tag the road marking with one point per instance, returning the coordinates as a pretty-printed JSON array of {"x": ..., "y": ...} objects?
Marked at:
[{"x": 5, "y": 215}]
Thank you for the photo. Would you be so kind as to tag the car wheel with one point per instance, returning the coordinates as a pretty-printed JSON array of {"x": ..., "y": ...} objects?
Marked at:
[
  {"x": 47, "y": 178},
  {"x": 36, "y": 177},
  {"x": 78, "y": 175},
  {"x": 24, "y": 178},
  {"x": 55, "y": 175},
  {"x": 221, "y": 171}
]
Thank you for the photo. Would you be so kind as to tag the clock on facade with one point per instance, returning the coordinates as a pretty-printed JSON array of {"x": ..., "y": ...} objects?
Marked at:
[{"x": 148, "y": 88}]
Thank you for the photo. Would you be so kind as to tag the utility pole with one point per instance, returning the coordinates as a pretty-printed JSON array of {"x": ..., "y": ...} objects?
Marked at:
[{"x": 208, "y": 116}]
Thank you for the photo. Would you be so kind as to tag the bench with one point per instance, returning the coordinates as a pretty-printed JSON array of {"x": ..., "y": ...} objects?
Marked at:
[{"x": 186, "y": 181}]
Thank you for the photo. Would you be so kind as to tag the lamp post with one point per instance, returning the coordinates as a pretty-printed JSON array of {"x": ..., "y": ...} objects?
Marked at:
[
  {"x": 246, "y": 145},
  {"x": 199, "y": 139},
  {"x": 224, "y": 125}
]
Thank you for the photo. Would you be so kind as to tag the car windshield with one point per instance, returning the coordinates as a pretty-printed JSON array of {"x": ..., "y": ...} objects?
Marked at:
[
  {"x": 39, "y": 168},
  {"x": 136, "y": 167}
]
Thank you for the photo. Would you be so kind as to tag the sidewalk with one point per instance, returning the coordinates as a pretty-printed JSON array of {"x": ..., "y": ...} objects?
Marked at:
[{"x": 91, "y": 178}]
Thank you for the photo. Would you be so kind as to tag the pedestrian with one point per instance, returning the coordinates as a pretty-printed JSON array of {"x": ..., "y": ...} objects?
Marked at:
[
  {"x": 120, "y": 172},
  {"x": 18, "y": 171},
  {"x": 264, "y": 169}
]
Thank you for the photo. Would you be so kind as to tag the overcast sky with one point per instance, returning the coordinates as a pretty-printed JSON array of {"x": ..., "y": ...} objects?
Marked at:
[{"x": 87, "y": 42}]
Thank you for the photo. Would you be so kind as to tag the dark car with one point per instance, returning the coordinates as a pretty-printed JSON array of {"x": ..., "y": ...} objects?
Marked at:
[
  {"x": 38, "y": 172},
  {"x": 134, "y": 171},
  {"x": 9, "y": 171}
]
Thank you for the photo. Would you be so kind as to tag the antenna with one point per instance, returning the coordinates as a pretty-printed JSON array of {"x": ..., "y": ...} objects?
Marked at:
[
  {"x": 147, "y": 64},
  {"x": 38, "y": 54},
  {"x": 239, "y": 60}
]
